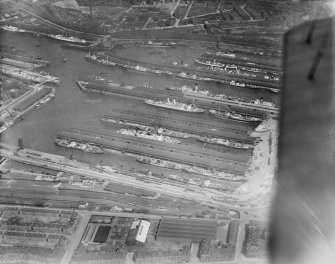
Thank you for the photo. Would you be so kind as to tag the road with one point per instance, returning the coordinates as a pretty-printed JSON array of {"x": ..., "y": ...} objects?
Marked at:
[
  {"x": 86, "y": 215},
  {"x": 76, "y": 238}
]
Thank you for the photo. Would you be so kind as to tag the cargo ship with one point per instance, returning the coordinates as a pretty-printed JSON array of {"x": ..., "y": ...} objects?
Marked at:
[
  {"x": 274, "y": 90},
  {"x": 68, "y": 39},
  {"x": 97, "y": 59},
  {"x": 210, "y": 63},
  {"x": 145, "y": 69},
  {"x": 251, "y": 69},
  {"x": 191, "y": 169},
  {"x": 225, "y": 142},
  {"x": 174, "y": 105},
  {"x": 152, "y": 44},
  {"x": 235, "y": 116},
  {"x": 83, "y": 85},
  {"x": 86, "y": 147},
  {"x": 148, "y": 135},
  {"x": 223, "y": 54},
  {"x": 224, "y": 68},
  {"x": 182, "y": 89},
  {"x": 235, "y": 83},
  {"x": 76, "y": 46},
  {"x": 12, "y": 29},
  {"x": 188, "y": 91}
]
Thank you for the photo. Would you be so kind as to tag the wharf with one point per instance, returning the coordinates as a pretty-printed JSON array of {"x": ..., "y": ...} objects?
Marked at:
[
  {"x": 20, "y": 64},
  {"x": 208, "y": 126},
  {"x": 26, "y": 59},
  {"x": 187, "y": 154},
  {"x": 190, "y": 98},
  {"x": 30, "y": 101},
  {"x": 134, "y": 91},
  {"x": 177, "y": 72}
]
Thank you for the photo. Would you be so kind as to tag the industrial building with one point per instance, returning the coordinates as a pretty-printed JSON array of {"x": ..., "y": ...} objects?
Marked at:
[
  {"x": 186, "y": 229},
  {"x": 138, "y": 232}
]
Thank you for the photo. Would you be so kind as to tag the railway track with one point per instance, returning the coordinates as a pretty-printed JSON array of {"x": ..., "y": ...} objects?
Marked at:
[{"x": 188, "y": 154}]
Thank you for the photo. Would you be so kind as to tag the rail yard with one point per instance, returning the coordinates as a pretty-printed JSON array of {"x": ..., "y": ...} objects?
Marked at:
[{"x": 140, "y": 131}]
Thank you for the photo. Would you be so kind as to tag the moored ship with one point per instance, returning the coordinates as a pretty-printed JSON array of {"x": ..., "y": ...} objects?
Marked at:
[
  {"x": 86, "y": 147},
  {"x": 68, "y": 39},
  {"x": 209, "y": 63},
  {"x": 12, "y": 29},
  {"x": 148, "y": 135},
  {"x": 274, "y": 90},
  {"x": 191, "y": 169},
  {"x": 235, "y": 116},
  {"x": 225, "y": 142},
  {"x": 94, "y": 86},
  {"x": 174, "y": 105},
  {"x": 40, "y": 103},
  {"x": 182, "y": 89},
  {"x": 152, "y": 44},
  {"x": 44, "y": 100},
  {"x": 223, "y": 54},
  {"x": 234, "y": 83}
]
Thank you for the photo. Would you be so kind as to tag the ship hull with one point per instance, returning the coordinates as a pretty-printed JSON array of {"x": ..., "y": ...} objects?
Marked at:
[
  {"x": 173, "y": 108},
  {"x": 60, "y": 143},
  {"x": 74, "y": 41},
  {"x": 232, "y": 118}
]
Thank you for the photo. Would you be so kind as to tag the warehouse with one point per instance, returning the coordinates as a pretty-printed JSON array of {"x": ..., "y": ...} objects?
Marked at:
[
  {"x": 186, "y": 229},
  {"x": 138, "y": 232}
]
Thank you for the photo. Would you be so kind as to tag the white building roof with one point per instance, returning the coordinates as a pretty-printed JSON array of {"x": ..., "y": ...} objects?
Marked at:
[{"x": 143, "y": 231}]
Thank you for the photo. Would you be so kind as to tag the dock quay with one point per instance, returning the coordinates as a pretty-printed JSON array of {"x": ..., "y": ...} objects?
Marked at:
[
  {"x": 209, "y": 126},
  {"x": 25, "y": 59},
  {"x": 178, "y": 72},
  {"x": 28, "y": 75},
  {"x": 20, "y": 64},
  {"x": 207, "y": 102},
  {"x": 187, "y": 154},
  {"x": 134, "y": 91},
  {"x": 29, "y": 101}
]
